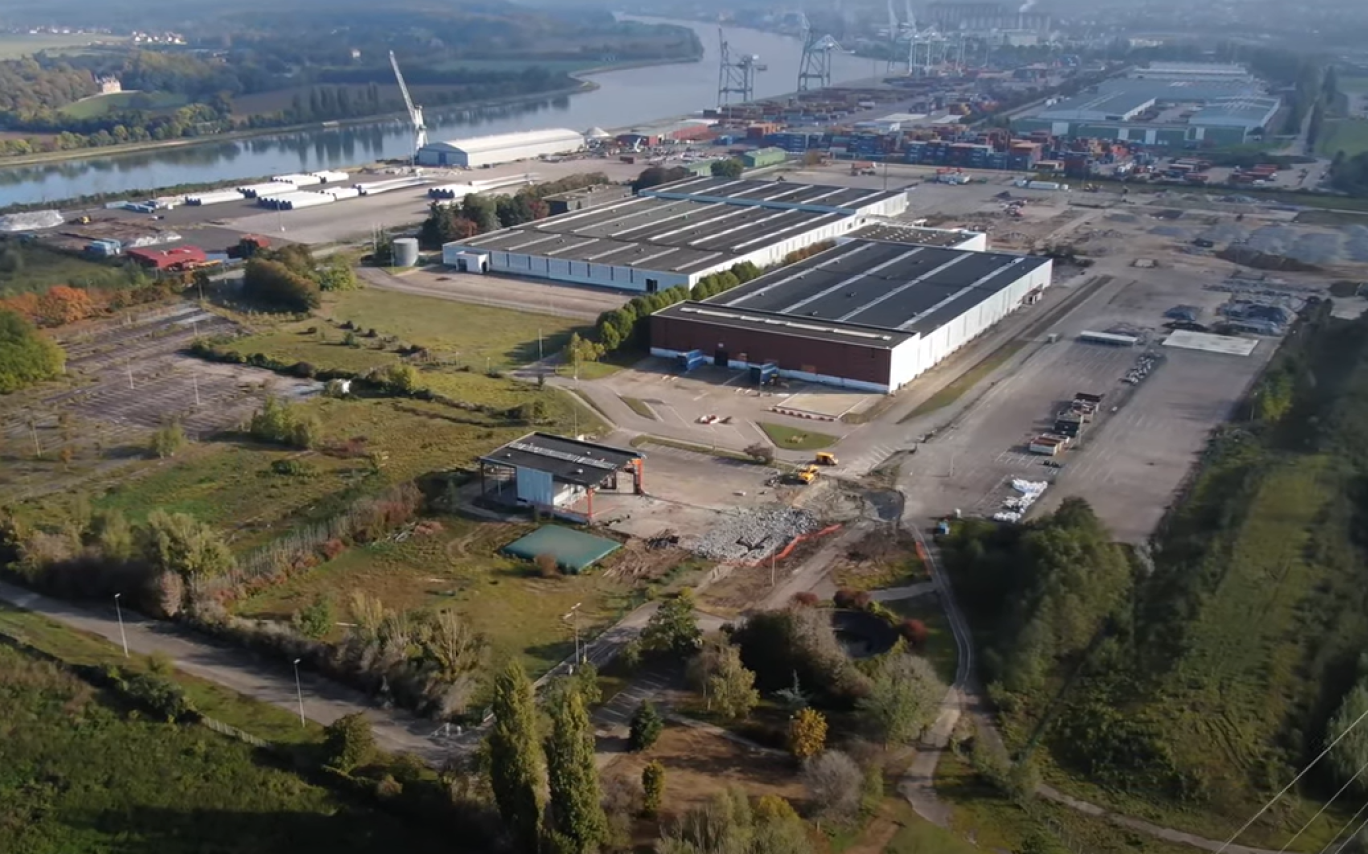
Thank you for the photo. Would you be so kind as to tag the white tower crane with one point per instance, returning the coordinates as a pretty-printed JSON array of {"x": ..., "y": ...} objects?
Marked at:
[{"x": 415, "y": 112}]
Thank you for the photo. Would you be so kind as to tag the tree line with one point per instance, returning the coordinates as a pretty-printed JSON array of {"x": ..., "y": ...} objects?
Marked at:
[{"x": 479, "y": 214}]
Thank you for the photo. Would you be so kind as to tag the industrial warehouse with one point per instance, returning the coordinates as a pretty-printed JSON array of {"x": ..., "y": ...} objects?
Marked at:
[
  {"x": 869, "y": 314},
  {"x": 478, "y": 151},
  {"x": 674, "y": 234}
]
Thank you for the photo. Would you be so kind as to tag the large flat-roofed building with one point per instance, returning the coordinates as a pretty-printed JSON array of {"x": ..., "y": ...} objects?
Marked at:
[
  {"x": 867, "y": 314},
  {"x": 479, "y": 151},
  {"x": 673, "y": 237},
  {"x": 1163, "y": 106},
  {"x": 946, "y": 238},
  {"x": 784, "y": 195}
]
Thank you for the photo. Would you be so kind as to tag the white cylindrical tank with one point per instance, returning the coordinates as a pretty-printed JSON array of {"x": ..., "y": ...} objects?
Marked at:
[
  {"x": 294, "y": 201},
  {"x": 406, "y": 252},
  {"x": 340, "y": 193}
]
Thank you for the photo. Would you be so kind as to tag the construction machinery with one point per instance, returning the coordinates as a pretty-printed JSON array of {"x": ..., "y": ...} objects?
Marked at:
[
  {"x": 826, "y": 458},
  {"x": 807, "y": 474},
  {"x": 415, "y": 112}
]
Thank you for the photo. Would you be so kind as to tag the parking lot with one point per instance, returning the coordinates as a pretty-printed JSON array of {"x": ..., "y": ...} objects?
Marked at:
[{"x": 1128, "y": 462}]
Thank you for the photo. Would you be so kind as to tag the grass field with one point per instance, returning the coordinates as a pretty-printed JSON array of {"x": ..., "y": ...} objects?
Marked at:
[
  {"x": 505, "y": 599},
  {"x": 1353, "y": 84},
  {"x": 18, "y": 46},
  {"x": 957, "y": 387},
  {"x": 479, "y": 336},
  {"x": 940, "y": 650},
  {"x": 99, "y": 105},
  {"x": 83, "y": 775},
  {"x": 260, "y": 719},
  {"x": 795, "y": 439},
  {"x": 230, "y": 483},
  {"x": 39, "y": 269},
  {"x": 1347, "y": 135}
]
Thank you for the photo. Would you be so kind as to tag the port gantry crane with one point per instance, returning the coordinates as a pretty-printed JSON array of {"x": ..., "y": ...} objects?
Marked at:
[{"x": 415, "y": 112}]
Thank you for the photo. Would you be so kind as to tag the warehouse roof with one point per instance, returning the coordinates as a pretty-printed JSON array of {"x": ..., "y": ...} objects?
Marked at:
[
  {"x": 778, "y": 194},
  {"x": 894, "y": 233},
  {"x": 1120, "y": 97},
  {"x": 1237, "y": 112},
  {"x": 658, "y": 234},
  {"x": 568, "y": 460},
  {"x": 494, "y": 142},
  {"x": 864, "y": 287}
]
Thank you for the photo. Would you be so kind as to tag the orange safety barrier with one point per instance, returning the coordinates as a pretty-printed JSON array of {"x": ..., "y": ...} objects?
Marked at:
[{"x": 793, "y": 544}]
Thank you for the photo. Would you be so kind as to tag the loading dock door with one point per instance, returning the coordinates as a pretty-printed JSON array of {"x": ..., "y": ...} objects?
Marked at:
[{"x": 720, "y": 357}]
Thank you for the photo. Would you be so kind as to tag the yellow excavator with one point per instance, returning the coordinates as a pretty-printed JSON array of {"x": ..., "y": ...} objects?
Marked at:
[{"x": 826, "y": 458}]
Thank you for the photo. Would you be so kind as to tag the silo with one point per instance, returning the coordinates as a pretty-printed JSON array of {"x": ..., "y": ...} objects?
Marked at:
[{"x": 406, "y": 252}]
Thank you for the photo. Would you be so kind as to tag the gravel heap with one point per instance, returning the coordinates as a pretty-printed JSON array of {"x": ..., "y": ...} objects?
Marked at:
[{"x": 752, "y": 533}]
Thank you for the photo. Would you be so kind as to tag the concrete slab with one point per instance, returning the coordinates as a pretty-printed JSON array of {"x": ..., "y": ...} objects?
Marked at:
[
  {"x": 833, "y": 405},
  {"x": 1208, "y": 343}
]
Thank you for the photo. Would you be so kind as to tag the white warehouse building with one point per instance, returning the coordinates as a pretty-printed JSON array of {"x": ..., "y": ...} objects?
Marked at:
[
  {"x": 868, "y": 314},
  {"x": 664, "y": 239},
  {"x": 491, "y": 150}
]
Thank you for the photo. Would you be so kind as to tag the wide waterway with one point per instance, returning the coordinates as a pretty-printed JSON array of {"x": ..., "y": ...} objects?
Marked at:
[{"x": 623, "y": 98}]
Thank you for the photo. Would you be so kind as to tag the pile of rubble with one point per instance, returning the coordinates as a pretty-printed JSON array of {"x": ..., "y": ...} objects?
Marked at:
[{"x": 752, "y": 533}]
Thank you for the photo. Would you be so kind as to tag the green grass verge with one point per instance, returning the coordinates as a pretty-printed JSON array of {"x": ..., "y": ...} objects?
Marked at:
[
  {"x": 1347, "y": 135},
  {"x": 82, "y": 774},
  {"x": 957, "y": 387},
  {"x": 263, "y": 720},
  {"x": 639, "y": 406},
  {"x": 796, "y": 438},
  {"x": 91, "y": 108},
  {"x": 940, "y": 649},
  {"x": 460, "y": 567},
  {"x": 916, "y": 835}
]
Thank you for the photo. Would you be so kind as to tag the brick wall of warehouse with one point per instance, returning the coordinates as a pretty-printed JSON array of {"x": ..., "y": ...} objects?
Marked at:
[{"x": 794, "y": 352}]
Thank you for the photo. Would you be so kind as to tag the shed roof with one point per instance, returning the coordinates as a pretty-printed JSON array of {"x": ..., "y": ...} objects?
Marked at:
[
  {"x": 568, "y": 460},
  {"x": 494, "y": 142}
]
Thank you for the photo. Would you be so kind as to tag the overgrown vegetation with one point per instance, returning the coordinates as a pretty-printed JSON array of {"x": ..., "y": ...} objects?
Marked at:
[
  {"x": 477, "y": 214},
  {"x": 26, "y": 356}
]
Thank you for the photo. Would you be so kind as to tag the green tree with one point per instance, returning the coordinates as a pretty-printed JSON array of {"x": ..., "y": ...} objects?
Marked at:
[
  {"x": 646, "y": 726},
  {"x": 26, "y": 356},
  {"x": 349, "y": 742},
  {"x": 652, "y": 787},
  {"x": 401, "y": 379},
  {"x": 731, "y": 168},
  {"x": 337, "y": 275},
  {"x": 578, "y": 823},
  {"x": 515, "y": 769},
  {"x": 168, "y": 440},
  {"x": 778, "y": 829},
  {"x": 114, "y": 535},
  {"x": 903, "y": 698},
  {"x": 725, "y": 825},
  {"x": 176, "y": 542},
  {"x": 314, "y": 620},
  {"x": 673, "y": 628},
  {"x": 481, "y": 211},
  {"x": 807, "y": 734},
  {"x": 580, "y": 350},
  {"x": 725, "y": 682},
  {"x": 1350, "y": 755},
  {"x": 273, "y": 283}
]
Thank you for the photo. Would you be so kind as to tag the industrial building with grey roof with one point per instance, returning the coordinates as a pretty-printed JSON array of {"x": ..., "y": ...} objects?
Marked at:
[
  {"x": 867, "y": 314},
  {"x": 1216, "y": 108},
  {"x": 674, "y": 237}
]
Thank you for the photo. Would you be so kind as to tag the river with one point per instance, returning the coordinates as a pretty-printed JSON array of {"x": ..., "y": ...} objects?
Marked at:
[{"x": 623, "y": 98}]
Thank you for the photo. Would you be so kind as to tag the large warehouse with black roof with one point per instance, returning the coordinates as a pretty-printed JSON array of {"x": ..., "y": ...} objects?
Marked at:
[
  {"x": 867, "y": 314},
  {"x": 674, "y": 234}
]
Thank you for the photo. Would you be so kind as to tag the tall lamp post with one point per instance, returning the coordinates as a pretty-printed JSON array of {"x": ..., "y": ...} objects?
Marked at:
[
  {"x": 299, "y": 692},
  {"x": 572, "y": 617},
  {"x": 123, "y": 638}
]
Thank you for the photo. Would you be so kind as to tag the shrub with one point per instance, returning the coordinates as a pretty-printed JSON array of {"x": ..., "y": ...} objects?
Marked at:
[
  {"x": 652, "y": 787},
  {"x": 761, "y": 453},
  {"x": 914, "y": 632},
  {"x": 315, "y": 620},
  {"x": 807, "y": 734},
  {"x": 168, "y": 440},
  {"x": 303, "y": 370},
  {"x": 805, "y": 599},
  {"x": 293, "y": 468},
  {"x": 26, "y": 356},
  {"x": 834, "y": 783},
  {"x": 844, "y": 597},
  {"x": 645, "y": 728},
  {"x": 546, "y": 564},
  {"x": 349, "y": 742},
  {"x": 159, "y": 695}
]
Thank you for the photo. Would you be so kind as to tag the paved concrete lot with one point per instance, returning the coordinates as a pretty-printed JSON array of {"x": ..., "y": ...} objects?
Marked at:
[{"x": 1128, "y": 463}]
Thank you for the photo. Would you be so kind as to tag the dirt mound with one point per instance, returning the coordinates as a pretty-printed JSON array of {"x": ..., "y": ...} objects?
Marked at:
[{"x": 1247, "y": 257}]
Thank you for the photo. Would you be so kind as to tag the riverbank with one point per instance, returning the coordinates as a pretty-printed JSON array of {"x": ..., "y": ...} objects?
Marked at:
[{"x": 583, "y": 85}]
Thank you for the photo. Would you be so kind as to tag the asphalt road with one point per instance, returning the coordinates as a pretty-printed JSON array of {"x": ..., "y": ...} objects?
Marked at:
[{"x": 324, "y": 701}]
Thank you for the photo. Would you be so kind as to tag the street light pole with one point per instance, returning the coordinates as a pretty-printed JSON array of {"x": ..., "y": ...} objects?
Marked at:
[
  {"x": 299, "y": 692},
  {"x": 573, "y": 617},
  {"x": 119, "y": 611}
]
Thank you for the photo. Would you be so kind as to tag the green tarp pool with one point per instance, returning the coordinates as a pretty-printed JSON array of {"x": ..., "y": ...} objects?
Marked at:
[{"x": 574, "y": 550}]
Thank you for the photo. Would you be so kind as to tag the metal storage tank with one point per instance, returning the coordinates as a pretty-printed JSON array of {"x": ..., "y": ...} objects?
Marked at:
[{"x": 406, "y": 252}]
